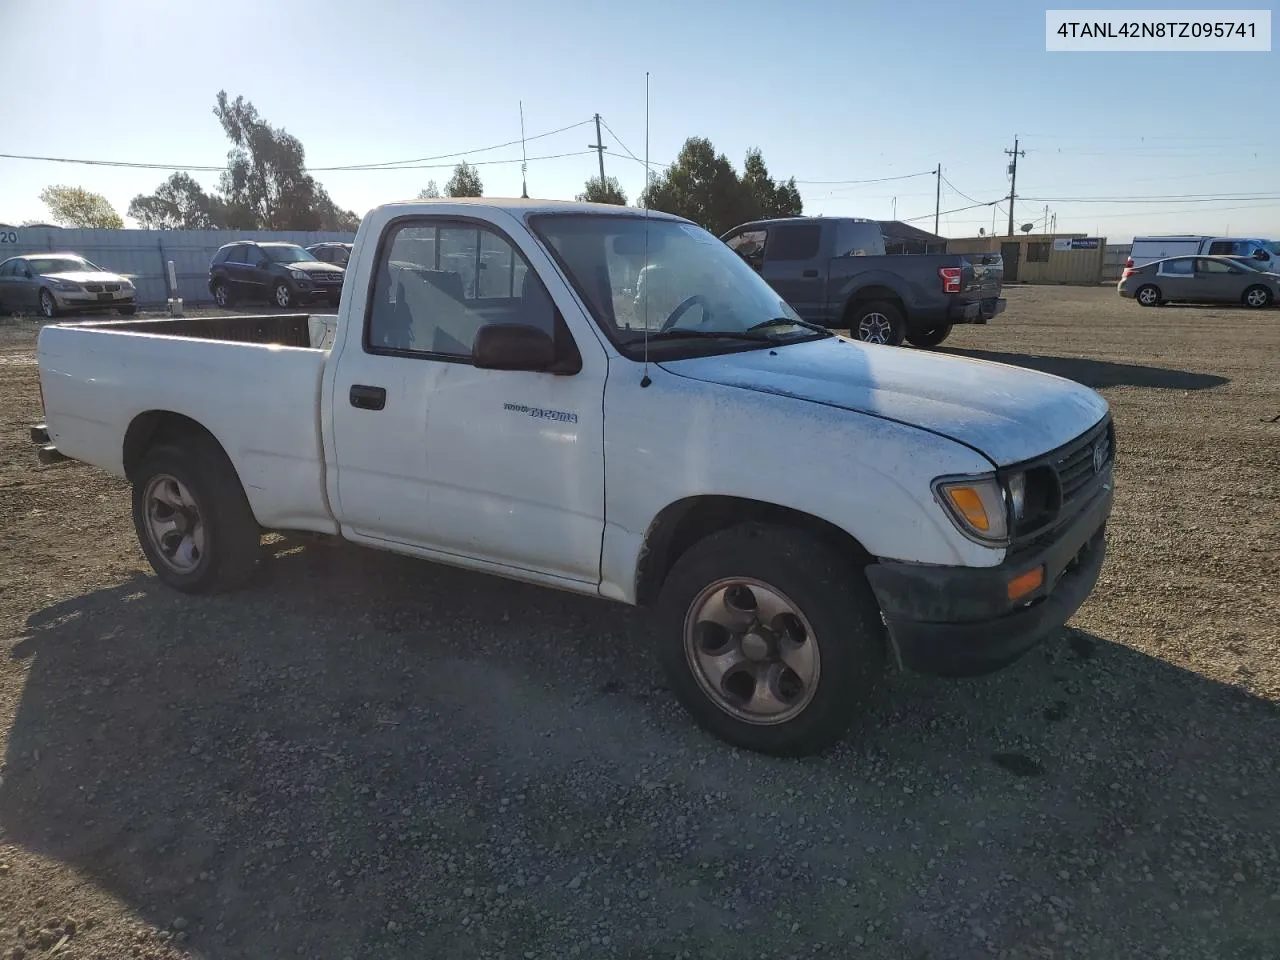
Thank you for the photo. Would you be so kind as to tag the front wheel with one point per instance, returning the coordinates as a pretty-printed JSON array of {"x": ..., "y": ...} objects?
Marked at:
[
  {"x": 48, "y": 305},
  {"x": 222, "y": 295},
  {"x": 192, "y": 518},
  {"x": 283, "y": 296},
  {"x": 1148, "y": 296},
  {"x": 771, "y": 641},
  {"x": 1257, "y": 297},
  {"x": 878, "y": 322},
  {"x": 929, "y": 338}
]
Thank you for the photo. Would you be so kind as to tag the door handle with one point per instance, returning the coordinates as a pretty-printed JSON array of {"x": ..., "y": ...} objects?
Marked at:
[
  {"x": 368, "y": 398},
  {"x": 809, "y": 273}
]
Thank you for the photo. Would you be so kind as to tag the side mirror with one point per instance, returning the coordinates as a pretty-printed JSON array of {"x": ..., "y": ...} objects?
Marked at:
[
  {"x": 1260, "y": 255},
  {"x": 513, "y": 346}
]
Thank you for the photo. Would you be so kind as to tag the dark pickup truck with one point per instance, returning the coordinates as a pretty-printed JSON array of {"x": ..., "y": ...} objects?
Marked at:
[{"x": 834, "y": 271}]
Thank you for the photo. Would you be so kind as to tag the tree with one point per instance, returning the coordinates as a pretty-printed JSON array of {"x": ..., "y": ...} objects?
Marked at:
[
  {"x": 265, "y": 185},
  {"x": 430, "y": 192},
  {"x": 179, "y": 204},
  {"x": 77, "y": 207},
  {"x": 608, "y": 191},
  {"x": 764, "y": 197},
  {"x": 465, "y": 182},
  {"x": 702, "y": 186}
]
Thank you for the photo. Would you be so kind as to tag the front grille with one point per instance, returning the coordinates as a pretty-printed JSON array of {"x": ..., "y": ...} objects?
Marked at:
[
  {"x": 329, "y": 277},
  {"x": 111, "y": 287},
  {"x": 1075, "y": 467},
  {"x": 93, "y": 287}
]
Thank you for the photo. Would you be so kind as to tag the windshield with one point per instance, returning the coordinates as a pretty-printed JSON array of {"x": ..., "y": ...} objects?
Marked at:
[
  {"x": 287, "y": 254},
  {"x": 47, "y": 265},
  {"x": 1273, "y": 247},
  {"x": 680, "y": 279}
]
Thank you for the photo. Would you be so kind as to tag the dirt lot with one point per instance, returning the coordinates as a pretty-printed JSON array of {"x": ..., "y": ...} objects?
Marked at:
[{"x": 366, "y": 756}]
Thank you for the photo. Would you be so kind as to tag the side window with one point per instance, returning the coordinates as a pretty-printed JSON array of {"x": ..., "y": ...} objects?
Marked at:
[
  {"x": 1224, "y": 248},
  {"x": 854, "y": 240},
  {"x": 438, "y": 282},
  {"x": 1177, "y": 268},
  {"x": 794, "y": 242},
  {"x": 8, "y": 268},
  {"x": 324, "y": 254},
  {"x": 749, "y": 245},
  {"x": 1212, "y": 266}
]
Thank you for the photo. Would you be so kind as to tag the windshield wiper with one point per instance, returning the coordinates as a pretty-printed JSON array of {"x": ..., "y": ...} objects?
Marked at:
[
  {"x": 687, "y": 334},
  {"x": 788, "y": 322}
]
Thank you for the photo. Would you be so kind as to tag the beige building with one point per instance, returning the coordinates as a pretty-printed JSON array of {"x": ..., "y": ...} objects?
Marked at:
[{"x": 1042, "y": 257}]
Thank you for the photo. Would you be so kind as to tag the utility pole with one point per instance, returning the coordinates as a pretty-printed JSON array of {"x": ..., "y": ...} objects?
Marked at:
[
  {"x": 599, "y": 148},
  {"x": 1046, "y": 218},
  {"x": 1013, "y": 183},
  {"x": 937, "y": 200},
  {"x": 524, "y": 159}
]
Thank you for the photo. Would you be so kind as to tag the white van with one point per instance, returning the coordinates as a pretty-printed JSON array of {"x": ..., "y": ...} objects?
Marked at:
[{"x": 1148, "y": 249}]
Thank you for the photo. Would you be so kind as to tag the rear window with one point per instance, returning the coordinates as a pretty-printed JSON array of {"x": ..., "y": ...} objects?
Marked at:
[{"x": 794, "y": 242}]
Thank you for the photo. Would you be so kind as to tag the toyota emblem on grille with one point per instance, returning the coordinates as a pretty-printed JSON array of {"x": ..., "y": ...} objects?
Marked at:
[{"x": 1099, "y": 458}]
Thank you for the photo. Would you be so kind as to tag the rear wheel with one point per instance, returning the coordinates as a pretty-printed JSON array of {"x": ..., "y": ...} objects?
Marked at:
[
  {"x": 283, "y": 295},
  {"x": 1257, "y": 297},
  {"x": 222, "y": 295},
  {"x": 772, "y": 641},
  {"x": 192, "y": 518},
  {"x": 48, "y": 305},
  {"x": 929, "y": 338},
  {"x": 1148, "y": 296},
  {"x": 878, "y": 322}
]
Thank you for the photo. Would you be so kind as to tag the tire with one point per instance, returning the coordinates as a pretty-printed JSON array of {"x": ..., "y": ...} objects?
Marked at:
[
  {"x": 1257, "y": 297},
  {"x": 831, "y": 605},
  {"x": 127, "y": 311},
  {"x": 222, "y": 295},
  {"x": 218, "y": 548},
  {"x": 48, "y": 305},
  {"x": 929, "y": 338},
  {"x": 878, "y": 321},
  {"x": 282, "y": 295},
  {"x": 1148, "y": 296}
]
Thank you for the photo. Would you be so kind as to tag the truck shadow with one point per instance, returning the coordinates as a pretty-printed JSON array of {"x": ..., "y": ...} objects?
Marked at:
[
  {"x": 311, "y": 765},
  {"x": 1099, "y": 374}
]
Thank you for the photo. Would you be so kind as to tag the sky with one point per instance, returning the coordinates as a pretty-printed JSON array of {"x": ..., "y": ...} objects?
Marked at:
[{"x": 829, "y": 91}]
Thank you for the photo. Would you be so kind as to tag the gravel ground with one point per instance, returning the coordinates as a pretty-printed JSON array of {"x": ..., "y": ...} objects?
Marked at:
[{"x": 363, "y": 755}]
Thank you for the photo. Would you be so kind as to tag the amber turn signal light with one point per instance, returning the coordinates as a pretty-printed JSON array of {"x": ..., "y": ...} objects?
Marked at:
[{"x": 1025, "y": 583}]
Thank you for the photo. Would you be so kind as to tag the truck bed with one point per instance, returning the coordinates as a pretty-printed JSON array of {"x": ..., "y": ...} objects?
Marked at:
[
  {"x": 252, "y": 381},
  {"x": 281, "y": 329}
]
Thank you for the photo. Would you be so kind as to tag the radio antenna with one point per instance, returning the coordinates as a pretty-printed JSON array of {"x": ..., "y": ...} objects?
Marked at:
[
  {"x": 644, "y": 380},
  {"x": 524, "y": 158}
]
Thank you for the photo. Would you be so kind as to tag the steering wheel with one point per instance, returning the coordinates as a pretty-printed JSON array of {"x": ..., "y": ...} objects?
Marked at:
[{"x": 682, "y": 309}]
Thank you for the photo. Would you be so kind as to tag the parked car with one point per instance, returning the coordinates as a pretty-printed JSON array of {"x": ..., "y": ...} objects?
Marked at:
[
  {"x": 834, "y": 271},
  {"x": 1266, "y": 253},
  {"x": 283, "y": 274},
  {"x": 331, "y": 252},
  {"x": 57, "y": 283},
  {"x": 1198, "y": 280},
  {"x": 953, "y": 511}
]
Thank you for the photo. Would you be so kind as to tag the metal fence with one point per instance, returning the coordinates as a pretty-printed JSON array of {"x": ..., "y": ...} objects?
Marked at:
[
  {"x": 1113, "y": 262},
  {"x": 143, "y": 255}
]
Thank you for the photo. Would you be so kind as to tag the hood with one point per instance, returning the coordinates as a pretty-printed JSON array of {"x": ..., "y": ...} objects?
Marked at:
[
  {"x": 313, "y": 266},
  {"x": 1009, "y": 413},
  {"x": 85, "y": 276}
]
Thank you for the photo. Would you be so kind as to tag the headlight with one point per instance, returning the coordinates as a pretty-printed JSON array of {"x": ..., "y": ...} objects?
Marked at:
[
  {"x": 297, "y": 275},
  {"x": 126, "y": 284},
  {"x": 976, "y": 505},
  {"x": 66, "y": 286}
]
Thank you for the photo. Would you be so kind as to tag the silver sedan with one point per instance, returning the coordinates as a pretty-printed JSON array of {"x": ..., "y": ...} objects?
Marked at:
[{"x": 57, "y": 283}]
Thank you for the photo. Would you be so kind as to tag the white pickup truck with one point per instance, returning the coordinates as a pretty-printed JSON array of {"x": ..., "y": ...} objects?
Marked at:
[{"x": 494, "y": 394}]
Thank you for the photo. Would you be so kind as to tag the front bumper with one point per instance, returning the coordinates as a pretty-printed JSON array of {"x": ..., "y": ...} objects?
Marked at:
[
  {"x": 959, "y": 621},
  {"x": 90, "y": 301}
]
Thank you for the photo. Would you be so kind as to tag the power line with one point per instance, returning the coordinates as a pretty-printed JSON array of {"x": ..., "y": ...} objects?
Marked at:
[
  {"x": 959, "y": 191},
  {"x": 943, "y": 213},
  {"x": 1180, "y": 198},
  {"x": 904, "y": 176},
  {"x": 448, "y": 156},
  {"x": 417, "y": 164}
]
